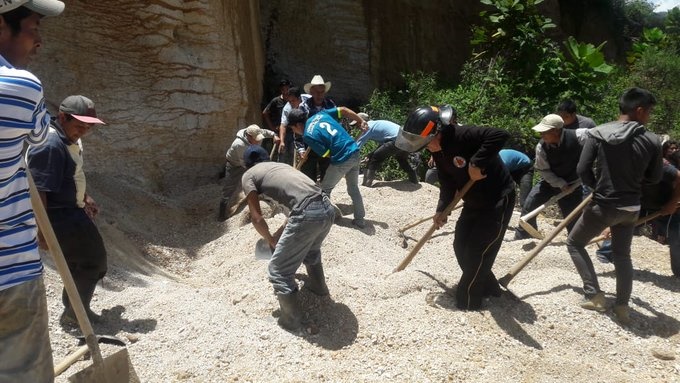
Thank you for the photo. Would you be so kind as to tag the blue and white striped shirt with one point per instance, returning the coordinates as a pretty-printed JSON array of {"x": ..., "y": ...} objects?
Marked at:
[{"x": 23, "y": 119}]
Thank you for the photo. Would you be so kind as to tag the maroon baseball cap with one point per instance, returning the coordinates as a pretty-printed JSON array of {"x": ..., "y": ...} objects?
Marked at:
[{"x": 81, "y": 108}]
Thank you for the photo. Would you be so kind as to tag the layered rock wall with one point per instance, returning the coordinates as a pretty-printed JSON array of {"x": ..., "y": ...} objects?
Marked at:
[{"x": 173, "y": 79}]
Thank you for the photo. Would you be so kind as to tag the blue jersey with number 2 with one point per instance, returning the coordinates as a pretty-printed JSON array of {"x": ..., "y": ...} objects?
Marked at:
[{"x": 327, "y": 138}]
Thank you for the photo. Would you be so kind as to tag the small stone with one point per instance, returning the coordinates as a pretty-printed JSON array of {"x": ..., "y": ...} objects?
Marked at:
[
  {"x": 663, "y": 354},
  {"x": 132, "y": 338},
  {"x": 529, "y": 246},
  {"x": 264, "y": 336}
]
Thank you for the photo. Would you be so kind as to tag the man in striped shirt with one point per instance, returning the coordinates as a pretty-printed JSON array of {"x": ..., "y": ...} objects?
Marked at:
[{"x": 25, "y": 354}]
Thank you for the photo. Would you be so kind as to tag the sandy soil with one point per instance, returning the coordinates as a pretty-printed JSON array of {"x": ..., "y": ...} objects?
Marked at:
[{"x": 192, "y": 302}]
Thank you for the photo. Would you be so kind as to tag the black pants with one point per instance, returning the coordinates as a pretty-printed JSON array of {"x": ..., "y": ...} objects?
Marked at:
[
  {"x": 82, "y": 246},
  {"x": 387, "y": 150},
  {"x": 315, "y": 167},
  {"x": 479, "y": 235},
  {"x": 523, "y": 178}
]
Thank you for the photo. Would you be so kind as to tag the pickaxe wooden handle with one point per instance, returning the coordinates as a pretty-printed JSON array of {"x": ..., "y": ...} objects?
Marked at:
[
  {"x": 640, "y": 221},
  {"x": 521, "y": 264},
  {"x": 551, "y": 201},
  {"x": 418, "y": 222},
  {"x": 430, "y": 231}
]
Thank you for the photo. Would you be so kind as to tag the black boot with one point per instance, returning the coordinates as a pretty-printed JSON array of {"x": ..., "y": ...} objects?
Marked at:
[
  {"x": 368, "y": 178},
  {"x": 291, "y": 313},
  {"x": 86, "y": 292},
  {"x": 222, "y": 216},
  {"x": 317, "y": 281}
]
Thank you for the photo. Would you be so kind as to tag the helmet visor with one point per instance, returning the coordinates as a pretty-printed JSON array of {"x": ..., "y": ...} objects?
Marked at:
[{"x": 411, "y": 142}]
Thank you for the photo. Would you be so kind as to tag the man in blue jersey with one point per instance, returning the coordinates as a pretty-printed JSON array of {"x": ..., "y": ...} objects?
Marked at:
[
  {"x": 384, "y": 133},
  {"x": 25, "y": 354},
  {"x": 327, "y": 138},
  {"x": 57, "y": 167}
]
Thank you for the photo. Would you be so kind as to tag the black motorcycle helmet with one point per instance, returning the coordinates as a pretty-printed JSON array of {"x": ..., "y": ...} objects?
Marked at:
[{"x": 422, "y": 125}]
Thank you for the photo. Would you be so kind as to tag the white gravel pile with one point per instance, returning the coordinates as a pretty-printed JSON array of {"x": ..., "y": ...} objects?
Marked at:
[{"x": 194, "y": 305}]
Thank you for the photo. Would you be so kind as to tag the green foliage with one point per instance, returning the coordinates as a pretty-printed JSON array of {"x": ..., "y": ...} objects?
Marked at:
[
  {"x": 586, "y": 71},
  {"x": 651, "y": 38},
  {"x": 672, "y": 28},
  {"x": 659, "y": 71}
]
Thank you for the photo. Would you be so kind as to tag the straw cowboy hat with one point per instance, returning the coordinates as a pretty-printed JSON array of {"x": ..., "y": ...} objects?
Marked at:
[{"x": 317, "y": 80}]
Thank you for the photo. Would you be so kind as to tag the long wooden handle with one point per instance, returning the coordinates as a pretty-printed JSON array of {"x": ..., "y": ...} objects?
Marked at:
[
  {"x": 521, "y": 264},
  {"x": 62, "y": 267},
  {"x": 70, "y": 359},
  {"x": 640, "y": 221},
  {"x": 551, "y": 201},
  {"x": 275, "y": 149},
  {"x": 402, "y": 265},
  {"x": 303, "y": 159}
]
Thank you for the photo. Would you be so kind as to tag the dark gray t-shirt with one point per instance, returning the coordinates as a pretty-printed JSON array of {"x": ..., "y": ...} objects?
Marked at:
[{"x": 280, "y": 182}]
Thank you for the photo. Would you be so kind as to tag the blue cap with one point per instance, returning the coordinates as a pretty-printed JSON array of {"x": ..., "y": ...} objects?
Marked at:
[{"x": 254, "y": 154}]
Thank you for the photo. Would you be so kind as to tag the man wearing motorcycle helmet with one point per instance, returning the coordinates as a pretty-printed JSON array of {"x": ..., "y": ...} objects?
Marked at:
[{"x": 462, "y": 153}]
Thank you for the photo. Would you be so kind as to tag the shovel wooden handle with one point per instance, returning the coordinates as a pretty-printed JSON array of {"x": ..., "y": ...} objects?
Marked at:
[
  {"x": 303, "y": 159},
  {"x": 521, "y": 264},
  {"x": 62, "y": 267},
  {"x": 432, "y": 228}
]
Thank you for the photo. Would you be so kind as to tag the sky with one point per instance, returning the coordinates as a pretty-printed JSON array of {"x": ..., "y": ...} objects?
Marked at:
[{"x": 664, "y": 5}]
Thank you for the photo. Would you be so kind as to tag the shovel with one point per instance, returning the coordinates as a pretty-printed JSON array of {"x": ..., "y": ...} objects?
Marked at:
[
  {"x": 505, "y": 281},
  {"x": 114, "y": 368},
  {"x": 459, "y": 195},
  {"x": 523, "y": 219}
]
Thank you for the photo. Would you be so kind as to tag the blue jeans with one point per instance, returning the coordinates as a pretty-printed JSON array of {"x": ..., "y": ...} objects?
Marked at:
[
  {"x": 307, "y": 227},
  {"x": 594, "y": 219},
  {"x": 350, "y": 170}
]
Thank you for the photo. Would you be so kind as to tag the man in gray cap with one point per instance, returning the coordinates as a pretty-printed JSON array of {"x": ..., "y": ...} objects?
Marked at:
[
  {"x": 25, "y": 355},
  {"x": 57, "y": 168}
]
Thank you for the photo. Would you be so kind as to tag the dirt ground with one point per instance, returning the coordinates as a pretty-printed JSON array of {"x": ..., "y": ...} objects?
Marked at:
[{"x": 193, "y": 303}]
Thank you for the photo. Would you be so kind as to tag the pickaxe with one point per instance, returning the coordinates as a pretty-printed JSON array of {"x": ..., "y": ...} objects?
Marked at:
[
  {"x": 430, "y": 231},
  {"x": 505, "y": 280},
  {"x": 523, "y": 219}
]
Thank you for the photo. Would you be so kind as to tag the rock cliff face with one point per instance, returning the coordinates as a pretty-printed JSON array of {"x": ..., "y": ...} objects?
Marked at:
[{"x": 174, "y": 79}]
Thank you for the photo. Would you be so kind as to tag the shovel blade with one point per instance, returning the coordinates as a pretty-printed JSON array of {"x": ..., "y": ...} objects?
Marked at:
[
  {"x": 115, "y": 369},
  {"x": 262, "y": 250}
]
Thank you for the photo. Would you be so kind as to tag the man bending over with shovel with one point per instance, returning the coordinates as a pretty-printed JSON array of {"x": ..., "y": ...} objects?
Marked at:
[
  {"x": 623, "y": 155},
  {"x": 463, "y": 153},
  {"x": 310, "y": 220}
]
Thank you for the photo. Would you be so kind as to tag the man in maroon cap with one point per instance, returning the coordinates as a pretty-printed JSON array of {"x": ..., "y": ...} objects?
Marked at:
[{"x": 57, "y": 168}]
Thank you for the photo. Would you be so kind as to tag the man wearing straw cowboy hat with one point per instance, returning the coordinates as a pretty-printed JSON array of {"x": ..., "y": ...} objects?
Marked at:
[
  {"x": 25, "y": 354},
  {"x": 316, "y": 166}
]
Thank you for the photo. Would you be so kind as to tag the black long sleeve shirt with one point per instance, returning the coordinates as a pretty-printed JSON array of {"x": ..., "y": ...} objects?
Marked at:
[{"x": 465, "y": 145}]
